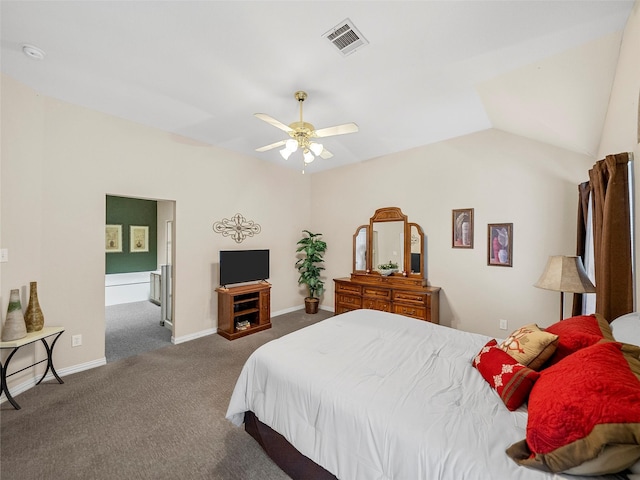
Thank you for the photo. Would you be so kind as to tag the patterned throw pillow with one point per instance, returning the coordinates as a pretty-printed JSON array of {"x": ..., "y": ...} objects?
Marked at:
[
  {"x": 530, "y": 346},
  {"x": 511, "y": 380}
]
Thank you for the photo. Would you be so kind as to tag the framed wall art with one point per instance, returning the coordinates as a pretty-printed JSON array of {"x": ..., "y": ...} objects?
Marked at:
[
  {"x": 138, "y": 239},
  {"x": 462, "y": 228},
  {"x": 113, "y": 238},
  {"x": 500, "y": 244}
]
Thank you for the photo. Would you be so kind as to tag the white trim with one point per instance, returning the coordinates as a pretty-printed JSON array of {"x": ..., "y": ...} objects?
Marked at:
[
  {"x": 23, "y": 387},
  {"x": 632, "y": 214},
  {"x": 193, "y": 336},
  {"x": 300, "y": 307}
]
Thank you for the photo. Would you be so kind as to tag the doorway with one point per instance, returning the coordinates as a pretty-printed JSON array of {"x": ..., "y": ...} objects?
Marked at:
[{"x": 139, "y": 276}]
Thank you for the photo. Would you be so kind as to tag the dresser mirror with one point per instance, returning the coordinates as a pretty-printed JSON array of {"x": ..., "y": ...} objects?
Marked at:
[
  {"x": 417, "y": 247},
  {"x": 389, "y": 238},
  {"x": 360, "y": 249},
  {"x": 387, "y": 244}
]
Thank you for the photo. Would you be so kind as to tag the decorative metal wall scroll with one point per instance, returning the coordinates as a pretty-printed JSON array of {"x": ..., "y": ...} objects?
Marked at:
[{"x": 237, "y": 227}]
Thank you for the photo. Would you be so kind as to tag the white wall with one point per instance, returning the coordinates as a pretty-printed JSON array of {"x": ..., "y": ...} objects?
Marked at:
[
  {"x": 622, "y": 126},
  {"x": 505, "y": 179},
  {"x": 59, "y": 161}
]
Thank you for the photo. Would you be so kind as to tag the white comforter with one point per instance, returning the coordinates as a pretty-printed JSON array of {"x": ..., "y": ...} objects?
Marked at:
[{"x": 370, "y": 395}]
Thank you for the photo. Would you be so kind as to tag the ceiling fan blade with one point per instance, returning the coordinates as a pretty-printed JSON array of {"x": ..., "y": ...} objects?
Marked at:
[
  {"x": 326, "y": 153},
  {"x": 272, "y": 121},
  {"x": 269, "y": 147},
  {"x": 337, "y": 130}
]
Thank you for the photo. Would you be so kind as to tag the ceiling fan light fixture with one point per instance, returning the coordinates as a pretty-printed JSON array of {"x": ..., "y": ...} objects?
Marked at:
[
  {"x": 308, "y": 156},
  {"x": 291, "y": 145},
  {"x": 316, "y": 148},
  {"x": 286, "y": 153},
  {"x": 301, "y": 134}
]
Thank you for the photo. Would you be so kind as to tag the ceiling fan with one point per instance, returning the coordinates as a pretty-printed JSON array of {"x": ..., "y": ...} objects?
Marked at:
[{"x": 302, "y": 133}]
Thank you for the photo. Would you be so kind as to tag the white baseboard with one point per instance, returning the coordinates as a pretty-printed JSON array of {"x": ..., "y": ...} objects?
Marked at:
[
  {"x": 299, "y": 307},
  {"x": 286, "y": 310},
  {"x": 23, "y": 387},
  {"x": 193, "y": 336}
]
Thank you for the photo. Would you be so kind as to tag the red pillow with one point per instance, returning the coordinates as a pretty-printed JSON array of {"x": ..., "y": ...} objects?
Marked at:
[
  {"x": 576, "y": 333},
  {"x": 579, "y": 406},
  {"x": 510, "y": 379}
]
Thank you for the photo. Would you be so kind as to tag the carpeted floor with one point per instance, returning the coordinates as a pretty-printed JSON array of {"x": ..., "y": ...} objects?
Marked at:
[
  {"x": 156, "y": 415},
  {"x": 133, "y": 328}
]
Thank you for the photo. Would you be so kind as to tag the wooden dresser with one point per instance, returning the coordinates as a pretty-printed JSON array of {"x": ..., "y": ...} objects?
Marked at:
[{"x": 395, "y": 294}]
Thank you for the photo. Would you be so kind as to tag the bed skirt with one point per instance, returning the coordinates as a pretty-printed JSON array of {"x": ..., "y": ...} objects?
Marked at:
[{"x": 292, "y": 462}]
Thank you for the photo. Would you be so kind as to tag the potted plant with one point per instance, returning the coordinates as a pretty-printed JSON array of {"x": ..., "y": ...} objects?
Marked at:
[{"x": 312, "y": 248}]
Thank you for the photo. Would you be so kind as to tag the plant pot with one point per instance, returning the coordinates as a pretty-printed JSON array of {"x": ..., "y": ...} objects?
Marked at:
[{"x": 311, "y": 305}]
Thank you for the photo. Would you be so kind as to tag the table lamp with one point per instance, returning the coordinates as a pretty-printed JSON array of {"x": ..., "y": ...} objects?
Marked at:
[{"x": 565, "y": 273}]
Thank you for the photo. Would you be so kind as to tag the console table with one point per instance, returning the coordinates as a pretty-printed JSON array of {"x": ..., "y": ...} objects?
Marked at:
[{"x": 14, "y": 346}]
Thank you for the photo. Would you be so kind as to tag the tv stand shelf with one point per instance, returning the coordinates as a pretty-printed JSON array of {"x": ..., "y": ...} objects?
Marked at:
[{"x": 247, "y": 303}]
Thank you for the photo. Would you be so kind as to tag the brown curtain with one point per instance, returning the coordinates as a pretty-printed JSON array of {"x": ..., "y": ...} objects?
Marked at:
[
  {"x": 609, "y": 183},
  {"x": 583, "y": 216}
]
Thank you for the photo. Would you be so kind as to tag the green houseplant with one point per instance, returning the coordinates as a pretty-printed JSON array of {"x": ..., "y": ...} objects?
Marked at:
[
  {"x": 388, "y": 268},
  {"x": 312, "y": 248}
]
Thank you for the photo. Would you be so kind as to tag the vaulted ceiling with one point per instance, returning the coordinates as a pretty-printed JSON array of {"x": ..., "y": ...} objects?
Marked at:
[{"x": 431, "y": 70}]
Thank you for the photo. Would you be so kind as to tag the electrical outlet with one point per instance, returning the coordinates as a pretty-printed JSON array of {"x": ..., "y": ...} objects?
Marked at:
[
  {"x": 503, "y": 324},
  {"x": 76, "y": 340},
  {"x": 4, "y": 255}
]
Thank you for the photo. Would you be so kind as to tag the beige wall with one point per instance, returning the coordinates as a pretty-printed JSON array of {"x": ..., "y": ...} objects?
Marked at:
[
  {"x": 622, "y": 126},
  {"x": 59, "y": 161},
  {"x": 505, "y": 179}
]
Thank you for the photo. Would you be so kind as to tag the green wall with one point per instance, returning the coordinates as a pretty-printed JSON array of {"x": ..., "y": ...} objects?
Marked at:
[{"x": 132, "y": 211}]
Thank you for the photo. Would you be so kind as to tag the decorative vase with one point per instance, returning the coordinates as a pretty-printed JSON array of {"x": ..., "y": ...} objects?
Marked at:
[
  {"x": 33, "y": 317},
  {"x": 14, "y": 326}
]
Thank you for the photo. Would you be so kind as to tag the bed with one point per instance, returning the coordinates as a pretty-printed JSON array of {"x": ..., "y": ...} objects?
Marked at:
[{"x": 369, "y": 395}]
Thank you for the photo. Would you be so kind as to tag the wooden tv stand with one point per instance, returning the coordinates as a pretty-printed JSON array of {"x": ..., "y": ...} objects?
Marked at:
[{"x": 247, "y": 302}]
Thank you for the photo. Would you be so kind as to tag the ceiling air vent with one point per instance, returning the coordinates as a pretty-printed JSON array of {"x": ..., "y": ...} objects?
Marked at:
[{"x": 346, "y": 37}]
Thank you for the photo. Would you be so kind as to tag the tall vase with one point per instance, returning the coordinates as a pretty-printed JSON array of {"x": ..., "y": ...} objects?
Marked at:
[
  {"x": 33, "y": 317},
  {"x": 14, "y": 327}
]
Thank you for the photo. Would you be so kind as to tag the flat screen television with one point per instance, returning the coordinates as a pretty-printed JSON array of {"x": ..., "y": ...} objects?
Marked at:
[{"x": 239, "y": 266}]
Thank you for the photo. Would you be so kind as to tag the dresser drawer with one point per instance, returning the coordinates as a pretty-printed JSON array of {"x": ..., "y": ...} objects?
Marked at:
[
  {"x": 348, "y": 301},
  {"x": 348, "y": 288},
  {"x": 414, "y": 298},
  {"x": 411, "y": 311},
  {"x": 374, "y": 304},
  {"x": 371, "y": 292}
]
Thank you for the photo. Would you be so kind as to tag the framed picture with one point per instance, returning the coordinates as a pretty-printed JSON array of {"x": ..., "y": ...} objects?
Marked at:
[
  {"x": 500, "y": 244},
  {"x": 113, "y": 238},
  {"x": 138, "y": 239},
  {"x": 462, "y": 228}
]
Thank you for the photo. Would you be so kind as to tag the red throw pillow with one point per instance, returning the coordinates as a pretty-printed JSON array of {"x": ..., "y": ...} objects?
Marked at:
[
  {"x": 580, "y": 405},
  {"x": 510, "y": 379},
  {"x": 576, "y": 333}
]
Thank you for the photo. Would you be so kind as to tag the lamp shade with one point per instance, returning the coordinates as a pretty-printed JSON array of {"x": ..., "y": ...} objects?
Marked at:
[
  {"x": 291, "y": 145},
  {"x": 565, "y": 273},
  {"x": 308, "y": 156},
  {"x": 286, "y": 153},
  {"x": 316, "y": 148}
]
